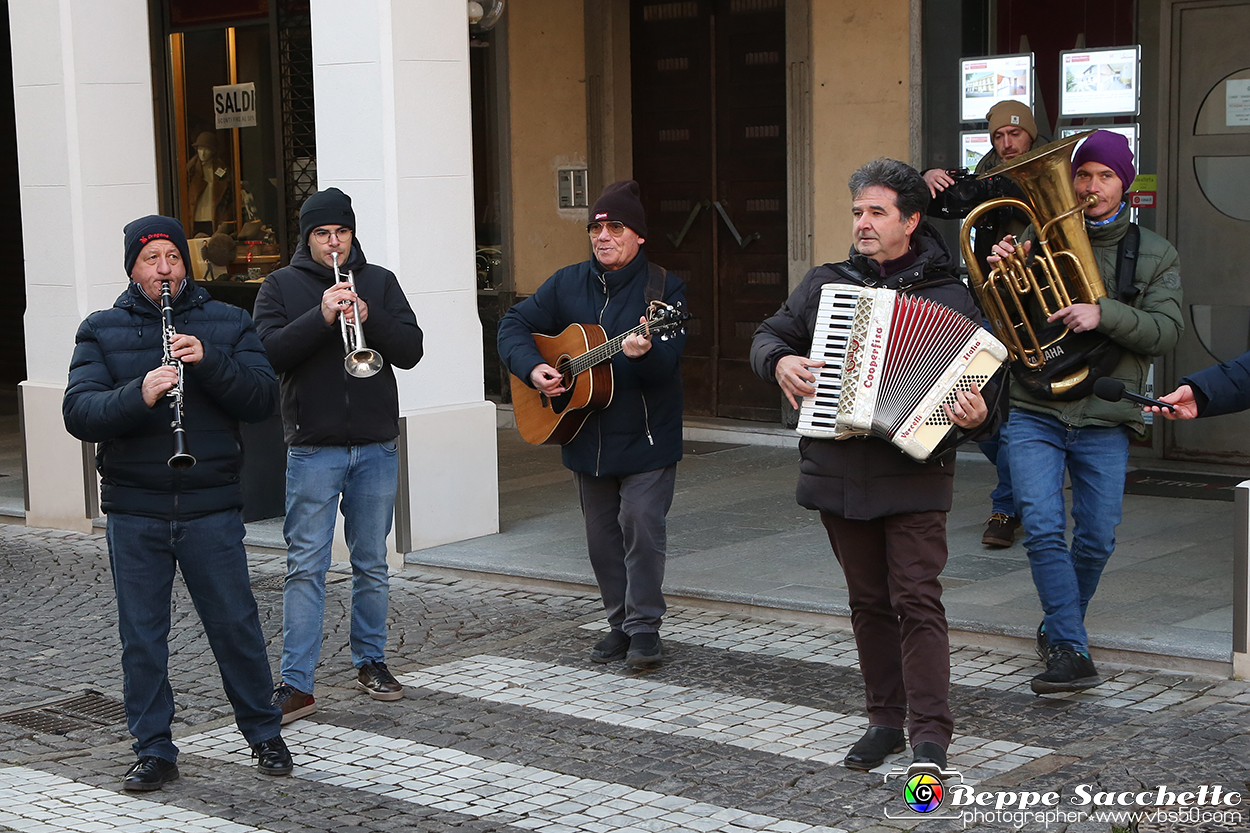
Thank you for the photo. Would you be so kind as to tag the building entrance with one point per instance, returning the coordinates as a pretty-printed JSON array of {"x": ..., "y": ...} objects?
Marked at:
[
  {"x": 1210, "y": 212},
  {"x": 709, "y": 137}
]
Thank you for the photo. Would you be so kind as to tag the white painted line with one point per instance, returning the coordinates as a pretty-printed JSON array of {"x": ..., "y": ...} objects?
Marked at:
[
  {"x": 520, "y": 796},
  {"x": 32, "y": 800},
  {"x": 785, "y": 729}
]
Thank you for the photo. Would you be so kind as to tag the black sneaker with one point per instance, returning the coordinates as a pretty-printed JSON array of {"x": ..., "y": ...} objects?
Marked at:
[
  {"x": 149, "y": 773},
  {"x": 1066, "y": 670},
  {"x": 1000, "y": 531},
  {"x": 272, "y": 757},
  {"x": 1043, "y": 644},
  {"x": 644, "y": 650},
  {"x": 378, "y": 682},
  {"x": 612, "y": 647},
  {"x": 293, "y": 702}
]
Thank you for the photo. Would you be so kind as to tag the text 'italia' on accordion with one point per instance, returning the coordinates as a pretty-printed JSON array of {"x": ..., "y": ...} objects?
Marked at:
[{"x": 891, "y": 360}]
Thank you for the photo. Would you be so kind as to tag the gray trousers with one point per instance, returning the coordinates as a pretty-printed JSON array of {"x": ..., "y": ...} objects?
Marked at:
[{"x": 626, "y": 539}]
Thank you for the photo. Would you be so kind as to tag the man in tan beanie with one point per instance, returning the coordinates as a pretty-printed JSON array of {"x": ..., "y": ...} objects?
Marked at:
[{"x": 1013, "y": 131}]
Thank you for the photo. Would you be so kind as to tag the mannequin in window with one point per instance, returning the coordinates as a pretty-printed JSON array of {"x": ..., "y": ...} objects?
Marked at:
[{"x": 209, "y": 185}]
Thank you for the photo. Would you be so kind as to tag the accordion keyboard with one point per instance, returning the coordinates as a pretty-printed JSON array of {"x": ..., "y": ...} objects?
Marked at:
[{"x": 819, "y": 413}]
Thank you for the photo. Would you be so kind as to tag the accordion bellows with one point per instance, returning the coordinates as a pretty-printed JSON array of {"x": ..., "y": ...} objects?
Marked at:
[{"x": 891, "y": 360}]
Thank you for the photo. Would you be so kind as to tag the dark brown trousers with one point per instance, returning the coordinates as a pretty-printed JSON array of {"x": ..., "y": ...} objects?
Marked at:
[{"x": 892, "y": 566}]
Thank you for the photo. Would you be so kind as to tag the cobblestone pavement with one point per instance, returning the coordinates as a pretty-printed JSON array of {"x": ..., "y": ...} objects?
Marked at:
[{"x": 506, "y": 725}]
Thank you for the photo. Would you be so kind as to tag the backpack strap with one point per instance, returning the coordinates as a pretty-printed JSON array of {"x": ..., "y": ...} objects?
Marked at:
[
  {"x": 657, "y": 277},
  {"x": 1126, "y": 264}
]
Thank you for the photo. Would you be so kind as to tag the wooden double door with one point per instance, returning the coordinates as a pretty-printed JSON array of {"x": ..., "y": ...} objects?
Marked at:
[{"x": 709, "y": 138}]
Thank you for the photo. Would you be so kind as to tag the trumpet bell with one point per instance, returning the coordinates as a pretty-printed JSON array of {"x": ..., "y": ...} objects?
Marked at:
[{"x": 363, "y": 363}]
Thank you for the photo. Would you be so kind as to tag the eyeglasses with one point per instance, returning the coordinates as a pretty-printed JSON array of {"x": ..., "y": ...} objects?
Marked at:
[
  {"x": 321, "y": 235},
  {"x": 615, "y": 228}
]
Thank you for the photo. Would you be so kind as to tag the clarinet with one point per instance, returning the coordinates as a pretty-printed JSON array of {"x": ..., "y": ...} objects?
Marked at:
[{"x": 181, "y": 458}]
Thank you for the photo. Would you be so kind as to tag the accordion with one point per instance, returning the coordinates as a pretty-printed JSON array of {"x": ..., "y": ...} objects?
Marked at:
[{"x": 891, "y": 360}]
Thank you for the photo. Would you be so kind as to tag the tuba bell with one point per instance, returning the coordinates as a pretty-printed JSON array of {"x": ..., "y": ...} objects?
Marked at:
[{"x": 1063, "y": 271}]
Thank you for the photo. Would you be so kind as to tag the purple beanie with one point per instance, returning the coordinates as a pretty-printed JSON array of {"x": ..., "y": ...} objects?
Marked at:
[{"x": 1110, "y": 149}]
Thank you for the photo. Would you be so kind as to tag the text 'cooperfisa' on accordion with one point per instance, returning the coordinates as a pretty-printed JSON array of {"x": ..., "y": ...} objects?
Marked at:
[{"x": 891, "y": 360}]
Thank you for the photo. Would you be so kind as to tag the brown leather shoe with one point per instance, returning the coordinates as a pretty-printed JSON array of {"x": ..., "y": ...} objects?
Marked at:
[
  {"x": 1000, "y": 531},
  {"x": 293, "y": 702},
  {"x": 378, "y": 682}
]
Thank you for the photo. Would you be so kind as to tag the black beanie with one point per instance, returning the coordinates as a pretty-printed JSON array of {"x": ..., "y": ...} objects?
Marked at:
[
  {"x": 620, "y": 201},
  {"x": 330, "y": 207},
  {"x": 143, "y": 231}
]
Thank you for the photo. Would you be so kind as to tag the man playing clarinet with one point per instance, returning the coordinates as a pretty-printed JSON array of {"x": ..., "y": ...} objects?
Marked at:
[
  {"x": 160, "y": 518},
  {"x": 885, "y": 513}
]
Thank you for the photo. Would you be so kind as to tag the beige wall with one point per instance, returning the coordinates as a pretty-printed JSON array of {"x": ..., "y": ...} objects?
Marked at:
[
  {"x": 547, "y": 111},
  {"x": 860, "y": 105}
]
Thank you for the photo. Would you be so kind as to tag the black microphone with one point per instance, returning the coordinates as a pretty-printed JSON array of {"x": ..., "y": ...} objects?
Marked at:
[{"x": 1113, "y": 390}]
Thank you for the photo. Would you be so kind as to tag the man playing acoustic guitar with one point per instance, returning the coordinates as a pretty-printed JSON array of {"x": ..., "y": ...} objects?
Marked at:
[{"x": 624, "y": 458}]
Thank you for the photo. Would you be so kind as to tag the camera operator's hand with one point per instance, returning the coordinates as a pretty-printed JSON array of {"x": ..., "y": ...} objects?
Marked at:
[
  {"x": 1005, "y": 248},
  {"x": 938, "y": 180}
]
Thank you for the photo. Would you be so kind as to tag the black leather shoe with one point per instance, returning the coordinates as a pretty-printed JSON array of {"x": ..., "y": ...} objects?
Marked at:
[
  {"x": 645, "y": 649},
  {"x": 272, "y": 757},
  {"x": 869, "y": 751},
  {"x": 612, "y": 647},
  {"x": 928, "y": 752},
  {"x": 149, "y": 773}
]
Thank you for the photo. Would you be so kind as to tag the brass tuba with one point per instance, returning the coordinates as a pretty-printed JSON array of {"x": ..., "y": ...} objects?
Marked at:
[{"x": 1063, "y": 271}]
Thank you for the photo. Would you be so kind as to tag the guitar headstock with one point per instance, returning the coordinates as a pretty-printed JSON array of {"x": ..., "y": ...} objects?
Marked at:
[{"x": 665, "y": 320}]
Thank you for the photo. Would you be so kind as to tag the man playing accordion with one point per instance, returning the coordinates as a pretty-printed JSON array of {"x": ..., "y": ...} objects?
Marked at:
[{"x": 884, "y": 511}]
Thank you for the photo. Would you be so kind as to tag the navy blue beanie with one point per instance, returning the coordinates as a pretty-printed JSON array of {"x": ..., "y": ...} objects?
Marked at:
[
  {"x": 143, "y": 231},
  {"x": 330, "y": 207}
]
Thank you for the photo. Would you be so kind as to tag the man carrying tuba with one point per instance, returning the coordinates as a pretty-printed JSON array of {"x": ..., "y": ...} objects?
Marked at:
[{"x": 1087, "y": 437}]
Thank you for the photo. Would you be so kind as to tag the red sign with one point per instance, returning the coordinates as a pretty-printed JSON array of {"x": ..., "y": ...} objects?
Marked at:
[{"x": 1142, "y": 199}]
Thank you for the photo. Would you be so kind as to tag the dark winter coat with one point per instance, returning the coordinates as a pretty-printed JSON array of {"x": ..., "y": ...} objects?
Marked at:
[
  {"x": 321, "y": 403},
  {"x": 866, "y": 477},
  {"x": 640, "y": 430},
  {"x": 1222, "y": 388},
  {"x": 114, "y": 350}
]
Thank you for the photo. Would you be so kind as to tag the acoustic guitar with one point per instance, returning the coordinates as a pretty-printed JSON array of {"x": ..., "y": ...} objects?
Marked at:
[{"x": 582, "y": 355}]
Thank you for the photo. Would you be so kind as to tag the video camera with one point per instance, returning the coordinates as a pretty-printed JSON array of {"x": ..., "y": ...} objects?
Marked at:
[{"x": 966, "y": 193}]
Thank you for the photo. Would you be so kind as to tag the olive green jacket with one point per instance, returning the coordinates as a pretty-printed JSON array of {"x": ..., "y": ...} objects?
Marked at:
[{"x": 1148, "y": 326}]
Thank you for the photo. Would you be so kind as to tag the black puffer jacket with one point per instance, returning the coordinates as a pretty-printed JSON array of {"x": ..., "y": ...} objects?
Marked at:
[
  {"x": 321, "y": 403},
  {"x": 866, "y": 477},
  {"x": 640, "y": 430},
  {"x": 114, "y": 350}
]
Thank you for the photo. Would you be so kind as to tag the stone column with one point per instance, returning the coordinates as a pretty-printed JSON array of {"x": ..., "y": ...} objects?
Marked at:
[
  {"x": 391, "y": 87},
  {"x": 87, "y": 165}
]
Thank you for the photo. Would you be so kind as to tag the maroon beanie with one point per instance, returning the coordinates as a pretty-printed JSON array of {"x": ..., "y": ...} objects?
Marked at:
[
  {"x": 1110, "y": 149},
  {"x": 620, "y": 201}
]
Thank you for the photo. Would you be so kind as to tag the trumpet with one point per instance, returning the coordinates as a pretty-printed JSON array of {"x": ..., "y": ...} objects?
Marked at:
[
  {"x": 361, "y": 361},
  {"x": 181, "y": 458}
]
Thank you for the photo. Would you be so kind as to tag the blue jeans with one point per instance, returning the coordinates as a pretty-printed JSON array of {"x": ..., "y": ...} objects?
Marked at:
[
  {"x": 144, "y": 554},
  {"x": 1096, "y": 461},
  {"x": 366, "y": 476},
  {"x": 1002, "y": 499}
]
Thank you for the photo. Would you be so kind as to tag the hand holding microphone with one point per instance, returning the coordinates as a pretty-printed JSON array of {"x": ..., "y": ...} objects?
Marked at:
[{"x": 1113, "y": 390}]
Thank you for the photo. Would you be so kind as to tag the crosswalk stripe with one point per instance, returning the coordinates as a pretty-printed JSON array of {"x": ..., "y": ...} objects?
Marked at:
[
  {"x": 517, "y": 795},
  {"x": 785, "y": 729},
  {"x": 33, "y": 800}
]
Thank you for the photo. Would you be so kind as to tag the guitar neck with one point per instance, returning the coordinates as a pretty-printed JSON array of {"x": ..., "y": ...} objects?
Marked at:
[{"x": 605, "y": 351}]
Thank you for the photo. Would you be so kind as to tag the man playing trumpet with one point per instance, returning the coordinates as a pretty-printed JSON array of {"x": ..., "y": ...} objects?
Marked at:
[
  {"x": 159, "y": 518},
  {"x": 1087, "y": 437},
  {"x": 341, "y": 429}
]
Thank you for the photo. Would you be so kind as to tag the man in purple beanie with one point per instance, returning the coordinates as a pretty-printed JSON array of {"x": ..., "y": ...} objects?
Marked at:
[
  {"x": 1087, "y": 438},
  {"x": 624, "y": 458}
]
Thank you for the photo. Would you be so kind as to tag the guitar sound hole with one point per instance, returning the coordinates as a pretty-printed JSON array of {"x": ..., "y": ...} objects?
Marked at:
[{"x": 559, "y": 403}]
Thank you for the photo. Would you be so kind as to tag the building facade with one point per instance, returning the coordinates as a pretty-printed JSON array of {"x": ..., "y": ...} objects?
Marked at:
[{"x": 471, "y": 155}]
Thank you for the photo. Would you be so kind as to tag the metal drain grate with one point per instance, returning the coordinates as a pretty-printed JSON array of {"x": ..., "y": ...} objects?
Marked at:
[
  {"x": 89, "y": 710},
  {"x": 269, "y": 583}
]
